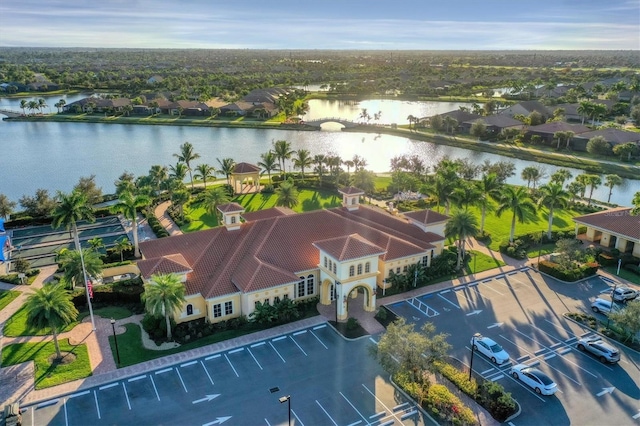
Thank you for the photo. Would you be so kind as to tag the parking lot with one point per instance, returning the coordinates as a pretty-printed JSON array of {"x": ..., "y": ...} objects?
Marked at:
[
  {"x": 330, "y": 381},
  {"x": 523, "y": 312}
]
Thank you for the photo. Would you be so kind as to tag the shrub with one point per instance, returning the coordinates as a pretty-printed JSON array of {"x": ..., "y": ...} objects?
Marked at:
[
  {"x": 449, "y": 406},
  {"x": 606, "y": 259},
  {"x": 572, "y": 274},
  {"x": 352, "y": 323}
]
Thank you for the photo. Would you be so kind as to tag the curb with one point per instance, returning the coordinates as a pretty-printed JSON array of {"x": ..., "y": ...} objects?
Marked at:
[{"x": 604, "y": 336}]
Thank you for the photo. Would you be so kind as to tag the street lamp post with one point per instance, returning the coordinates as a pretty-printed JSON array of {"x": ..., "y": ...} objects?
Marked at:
[
  {"x": 286, "y": 399},
  {"x": 540, "y": 249},
  {"x": 115, "y": 339},
  {"x": 473, "y": 345},
  {"x": 337, "y": 298},
  {"x": 619, "y": 263},
  {"x": 613, "y": 302}
]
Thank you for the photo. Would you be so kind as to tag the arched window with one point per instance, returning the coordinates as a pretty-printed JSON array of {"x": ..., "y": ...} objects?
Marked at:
[
  {"x": 367, "y": 267},
  {"x": 359, "y": 268},
  {"x": 335, "y": 269},
  {"x": 189, "y": 309},
  {"x": 311, "y": 284},
  {"x": 352, "y": 271},
  {"x": 330, "y": 264},
  {"x": 301, "y": 287}
]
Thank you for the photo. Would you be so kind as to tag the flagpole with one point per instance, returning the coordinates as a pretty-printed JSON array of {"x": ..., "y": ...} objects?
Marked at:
[{"x": 86, "y": 282}]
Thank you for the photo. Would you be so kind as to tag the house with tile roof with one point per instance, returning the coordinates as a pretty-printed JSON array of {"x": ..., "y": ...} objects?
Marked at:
[
  {"x": 275, "y": 254},
  {"x": 614, "y": 228},
  {"x": 527, "y": 107}
]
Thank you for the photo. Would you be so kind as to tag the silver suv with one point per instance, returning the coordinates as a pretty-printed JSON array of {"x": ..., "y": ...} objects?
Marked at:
[
  {"x": 624, "y": 294},
  {"x": 603, "y": 350},
  {"x": 604, "y": 306}
]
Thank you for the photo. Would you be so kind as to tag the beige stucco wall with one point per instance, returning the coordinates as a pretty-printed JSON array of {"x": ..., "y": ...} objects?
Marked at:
[
  {"x": 199, "y": 309},
  {"x": 235, "y": 299},
  {"x": 120, "y": 270},
  {"x": 249, "y": 299},
  {"x": 605, "y": 240}
]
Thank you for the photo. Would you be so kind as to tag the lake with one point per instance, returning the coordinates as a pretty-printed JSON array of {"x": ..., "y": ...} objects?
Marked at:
[{"x": 54, "y": 156}]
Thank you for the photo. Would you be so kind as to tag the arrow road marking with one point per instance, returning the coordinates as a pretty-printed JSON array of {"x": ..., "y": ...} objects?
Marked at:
[
  {"x": 206, "y": 398},
  {"x": 476, "y": 312},
  {"x": 498, "y": 324},
  {"x": 606, "y": 390},
  {"x": 218, "y": 421}
]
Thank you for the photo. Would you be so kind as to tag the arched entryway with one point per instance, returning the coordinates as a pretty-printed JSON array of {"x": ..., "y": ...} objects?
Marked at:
[{"x": 344, "y": 294}]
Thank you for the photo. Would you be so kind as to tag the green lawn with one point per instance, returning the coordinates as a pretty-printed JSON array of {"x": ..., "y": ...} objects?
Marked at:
[
  {"x": 115, "y": 312},
  {"x": 16, "y": 326},
  {"x": 627, "y": 275},
  {"x": 480, "y": 262},
  {"x": 541, "y": 249},
  {"x": 308, "y": 200},
  {"x": 47, "y": 375},
  {"x": 6, "y": 297}
]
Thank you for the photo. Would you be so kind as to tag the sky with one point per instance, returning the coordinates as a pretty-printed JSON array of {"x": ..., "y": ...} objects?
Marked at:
[{"x": 323, "y": 24}]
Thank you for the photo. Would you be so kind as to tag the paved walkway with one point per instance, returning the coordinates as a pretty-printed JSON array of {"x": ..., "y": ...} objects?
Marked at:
[{"x": 165, "y": 220}]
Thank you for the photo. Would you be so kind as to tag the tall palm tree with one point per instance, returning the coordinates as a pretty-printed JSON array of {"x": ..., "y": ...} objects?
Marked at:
[
  {"x": 226, "y": 168},
  {"x": 636, "y": 204},
  {"x": 287, "y": 194},
  {"x": 51, "y": 306},
  {"x": 179, "y": 171},
  {"x": 122, "y": 245},
  {"x": 528, "y": 174},
  {"x": 553, "y": 196},
  {"x": 214, "y": 198},
  {"x": 163, "y": 296},
  {"x": 584, "y": 109},
  {"x": 6, "y": 206},
  {"x": 71, "y": 208},
  {"x": 303, "y": 160},
  {"x": 283, "y": 152},
  {"x": 461, "y": 226},
  {"x": 127, "y": 205},
  {"x": 489, "y": 187},
  {"x": 592, "y": 181},
  {"x": 32, "y": 106},
  {"x": 465, "y": 195},
  {"x": 204, "y": 172},
  {"x": 561, "y": 176},
  {"x": 23, "y": 105},
  {"x": 319, "y": 160},
  {"x": 158, "y": 174},
  {"x": 42, "y": 104},
  {"x": 610, "y": 182},
  {"x": 441, "y": 189},
  {"x": 71, "y": 262},
  {"x": 96, "y": 243},
  {"x": 187, "y": 155},
  {"x": 518, "y": 201},
  {"x": 574, "y": 188},
  {"x": 269, "y": 163}
]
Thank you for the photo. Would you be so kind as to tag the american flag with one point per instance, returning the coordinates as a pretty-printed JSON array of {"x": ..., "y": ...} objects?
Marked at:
[{"x": 90, "y": 288}]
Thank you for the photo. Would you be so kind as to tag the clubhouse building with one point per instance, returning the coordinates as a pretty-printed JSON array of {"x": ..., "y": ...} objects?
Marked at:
[{"x": 275, "y": 254}]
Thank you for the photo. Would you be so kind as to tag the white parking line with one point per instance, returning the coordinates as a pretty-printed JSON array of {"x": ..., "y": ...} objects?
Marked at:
[
  {"x": 74, "y": 395},
  {"x": 491, "y": 288},
  {"x": 186, "y": 364},
  {"x": 232, "y": 367},
  {"x": 154, "y": 387},
  {"x": 445, "y": 291},
  {"x": 325, "y": 411},
  {"x": 255, "y": 345},
  {"x": 447, "y": 300},
  {"x": 318, "y": 327},
  {"x": 299, "y": 347},
  {"x": 321, "y": 342},
  {"x": 496, "y": 378},
  {"x": 47, "y": 403},
  {"x": 133, "y": 379},
  {"x": 207, "y": 371},
  {"x": 126, "y": 395},
  {"x": 274, "y": 348},
  {"x": 373, "y": 340},
  {"x": 95, "y": 396},
  {"x": 254, "y": 358},
  {"x": 182, "y": 381},
  {"x": 236, "y": 351},
  {"x": 294, "y": 413},
  {"x": 66, "y": 415},
  {"x": 110, "y": 385},
  {"x": 166, "y": 370},
  {"x": 297, "y": 333},
  {"x": 354, "y": 407},
  {"x": 278, "y": 338},
  {"x": 212, "y": 357},
  {"x": 393, "y": 414}
]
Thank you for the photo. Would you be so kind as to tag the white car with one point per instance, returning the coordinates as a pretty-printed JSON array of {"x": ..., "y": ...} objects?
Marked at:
[
  {"x": 489, "y": 348},
  {"x": 535, "y": 379},
  {"x": 624, "y": 294}
]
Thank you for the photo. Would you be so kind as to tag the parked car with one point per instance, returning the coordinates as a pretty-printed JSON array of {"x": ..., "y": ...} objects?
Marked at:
[
  {"x": 604, "y": 306},
  {"x": 624, "y": 294},
  {"x": 11, "y": 415},
  {"x": 535, "y": 379},
  {"x": 489, "y": 348},
  {"x": 603, "y": 350}
]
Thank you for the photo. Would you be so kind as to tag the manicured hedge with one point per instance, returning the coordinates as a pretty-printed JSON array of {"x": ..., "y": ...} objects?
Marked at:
[
  {"x": 122, "y": 292},
  {"x": 570, "y": 275}
]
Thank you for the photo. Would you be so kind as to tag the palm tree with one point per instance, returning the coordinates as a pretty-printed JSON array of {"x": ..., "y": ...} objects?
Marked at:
[
  {"x": 461, "y": 226},
  {"x": 72, "y": 208},
  {"x": 349, "y": 164},
  {"x": 158, "y": 174},
  {"x": 283, "y": 152},
  {"x": 518, "y": 201},
  {"x": 489, "y": 187},
  {"x": 51, "y": 306},
  {"x": 163, "y": 295},
  {"x": 269, "y": 163},
  {"x": 187, "y": 155},
  {"x": 127, "y": 205},
  {"x": 465, "y": 195},
  {"x": 441, "y": 189},
  {"x": 319, "y": 160},
  {"x": 214, "y": 198},
  {"x": 568, "y": 135},
  {"x": 226, "y": 168},
  {"x": 204, "y": 172},
  {"x": 411, "y": 119},
  {"x": 593, "y": 181},
  {"x": 32, "y": 106},
  {"x": 179, "y": 198},
  {"x": 42, "y": 104},
  {"x": 287, "y": 194},
  {"x": 72, "y": 263},
  {"x": 561, "y": 176},
  {"x": 553, "y": 196},
  {"x": 303, "y": 160},
  {"x": 96, "y": 243},
  {"x": 610, "y": 182},
  {"x": 6, "y": 206},
  {"x": 636, "y": 204},
  {"x": 584, "y": 109},
  {"x": 574, "y": 188},
  {"x": 528, "y": 174},
  {"x": 179, "y": 171},
  {"x": 23, "y": 105}
]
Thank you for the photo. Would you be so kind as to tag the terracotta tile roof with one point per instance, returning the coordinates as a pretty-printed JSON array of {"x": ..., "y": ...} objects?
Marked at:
[
  {"x": 426, "y": 216},
  {"x": 245, "y": 168},
  {"x": 267, "y": 214},
  {"x": 559, "y": 126},
  {"x": 348, "y": 247},
  {"x": 172, "y": 263},
  {"x": 350, "y": 190},
  {"x": 618, "y": 221},
  {"x": 230, "y": 208},
  {"x": 272, "y": 250}
]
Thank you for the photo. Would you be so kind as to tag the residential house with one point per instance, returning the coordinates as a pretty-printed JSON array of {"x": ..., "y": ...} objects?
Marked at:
[
  {"x": 275, "y": 254},
  {"x": 527, "y": 107},
  {"x": 611, "y": 135},
  {"x": 494, "y": 124},
  {"x": 547, "y": 130}
]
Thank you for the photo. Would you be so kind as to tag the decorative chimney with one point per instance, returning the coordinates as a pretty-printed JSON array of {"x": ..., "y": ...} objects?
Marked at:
[
  {"x": 231, "y": 215},
  {"x": 351, "y": 197}
]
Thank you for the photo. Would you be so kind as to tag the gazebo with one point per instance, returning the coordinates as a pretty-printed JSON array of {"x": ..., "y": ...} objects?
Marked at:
[{"x": 247, "y": 176}]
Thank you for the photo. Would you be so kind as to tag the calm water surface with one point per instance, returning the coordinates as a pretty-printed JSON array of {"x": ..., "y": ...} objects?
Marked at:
[{"x": 55, "y": 155}]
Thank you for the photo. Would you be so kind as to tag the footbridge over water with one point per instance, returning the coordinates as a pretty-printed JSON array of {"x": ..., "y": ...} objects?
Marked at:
[
  {"x": 320, "y": 121},
  {"x": 9, "y": 113}
]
